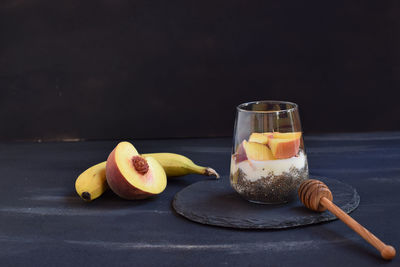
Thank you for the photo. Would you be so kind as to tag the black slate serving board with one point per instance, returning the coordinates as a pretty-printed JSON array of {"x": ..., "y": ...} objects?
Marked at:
[{"x": 216, "y": 203}]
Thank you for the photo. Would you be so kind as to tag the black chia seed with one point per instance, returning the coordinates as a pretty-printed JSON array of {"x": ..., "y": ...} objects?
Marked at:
[{"x": 271, "y": 188}]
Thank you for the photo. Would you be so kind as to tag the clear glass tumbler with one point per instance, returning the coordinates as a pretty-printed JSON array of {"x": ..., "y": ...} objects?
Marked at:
[{"x": 268, "y": 158}]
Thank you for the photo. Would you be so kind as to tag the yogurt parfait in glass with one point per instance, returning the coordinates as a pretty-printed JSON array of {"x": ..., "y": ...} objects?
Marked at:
[{"x": 268, "y": 160}]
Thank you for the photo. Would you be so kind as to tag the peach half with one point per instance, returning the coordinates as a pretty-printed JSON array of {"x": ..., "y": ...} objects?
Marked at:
[
  {"x": 257, "y": 151},
  {"x": 131, "y": 176}
]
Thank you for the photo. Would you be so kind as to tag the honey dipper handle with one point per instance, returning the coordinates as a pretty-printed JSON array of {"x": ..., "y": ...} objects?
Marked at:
[{"x": 387, "y": 252}]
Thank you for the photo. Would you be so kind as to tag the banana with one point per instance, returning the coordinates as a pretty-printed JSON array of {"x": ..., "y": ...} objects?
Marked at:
[
  {"x": 177, "y": 165},
  {"x": 92, "y": 183}
]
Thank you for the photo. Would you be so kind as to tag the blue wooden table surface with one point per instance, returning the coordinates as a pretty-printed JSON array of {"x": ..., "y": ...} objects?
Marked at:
[{"x": 44, "y": 223}]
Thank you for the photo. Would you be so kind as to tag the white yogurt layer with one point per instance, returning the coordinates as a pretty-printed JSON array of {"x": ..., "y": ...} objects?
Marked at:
[{"x": 254, "y": 169}]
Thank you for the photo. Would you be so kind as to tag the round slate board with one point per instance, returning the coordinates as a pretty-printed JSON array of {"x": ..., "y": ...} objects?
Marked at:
[{"x": 214, "y": 202}]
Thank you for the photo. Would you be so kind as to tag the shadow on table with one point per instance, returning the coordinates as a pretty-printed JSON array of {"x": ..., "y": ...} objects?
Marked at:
[{"x": 354, "y": 245}]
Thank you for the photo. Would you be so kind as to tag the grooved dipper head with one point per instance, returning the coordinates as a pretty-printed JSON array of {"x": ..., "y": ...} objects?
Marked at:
[{"x": 310, "y": 193}]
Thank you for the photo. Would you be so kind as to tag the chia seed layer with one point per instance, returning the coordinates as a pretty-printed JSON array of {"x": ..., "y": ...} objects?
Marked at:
[{"x": 271, "y": 188}]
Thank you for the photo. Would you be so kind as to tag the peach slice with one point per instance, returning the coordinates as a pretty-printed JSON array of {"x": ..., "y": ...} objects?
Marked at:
[
  {"x": 284, "y": 148},
  {"x": 131, "y": 176},
  {"x": 268, "y": 134},
  {"x": 287, "y": 135},
  {"x": 257, "y": 151},
  {"x": 240, "y": 154},
  {"x": 259, "y": 138}
]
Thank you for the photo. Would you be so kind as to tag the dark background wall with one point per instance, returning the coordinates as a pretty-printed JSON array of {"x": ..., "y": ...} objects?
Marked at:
[{"x": 144, "y": 69}]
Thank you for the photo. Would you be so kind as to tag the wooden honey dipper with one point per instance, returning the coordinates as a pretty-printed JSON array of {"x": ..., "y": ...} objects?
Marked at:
[{"x": 316, "y": 196}]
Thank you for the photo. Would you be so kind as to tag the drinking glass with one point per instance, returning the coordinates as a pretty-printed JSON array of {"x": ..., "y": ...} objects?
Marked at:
[{"x": 268, "y": 160}]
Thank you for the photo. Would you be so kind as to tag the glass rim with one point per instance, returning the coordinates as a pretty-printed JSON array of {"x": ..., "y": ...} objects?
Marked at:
[{"x": 242, "y": 105}]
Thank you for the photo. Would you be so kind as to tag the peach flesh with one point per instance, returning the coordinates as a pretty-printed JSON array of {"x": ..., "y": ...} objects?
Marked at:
[
  {"x": 259, "y": 138},
  {"x": 284, "y": 148},
  {"x": 289, "y": 135},
  {"x": 257, "y": 151}
]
